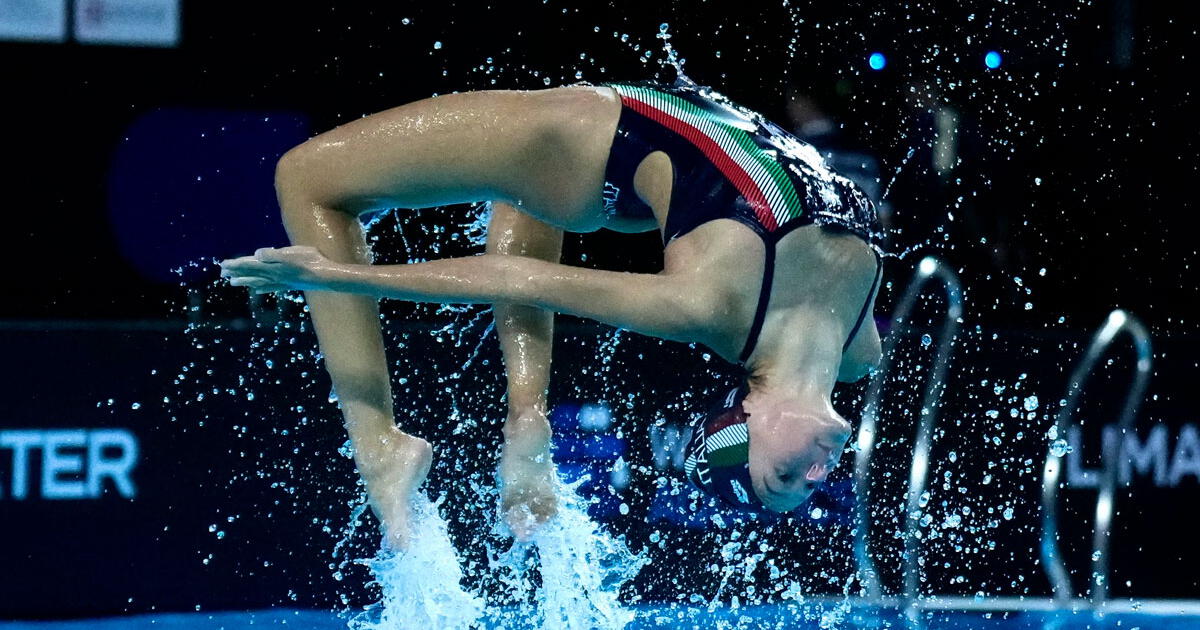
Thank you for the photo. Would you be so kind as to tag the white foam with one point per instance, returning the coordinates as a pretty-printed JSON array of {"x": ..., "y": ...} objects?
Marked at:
[
  {"x": 583, "y": 568},
  {"x": 422, "y": 587}
]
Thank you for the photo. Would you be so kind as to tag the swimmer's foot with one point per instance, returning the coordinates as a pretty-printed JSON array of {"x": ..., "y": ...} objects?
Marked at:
[
  {"x": 393, "y": 475},
  {"x": 527, "y": 476}
]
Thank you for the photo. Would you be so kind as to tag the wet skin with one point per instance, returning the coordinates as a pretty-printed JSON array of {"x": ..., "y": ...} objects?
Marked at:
[{"x": 540, "y": 157}]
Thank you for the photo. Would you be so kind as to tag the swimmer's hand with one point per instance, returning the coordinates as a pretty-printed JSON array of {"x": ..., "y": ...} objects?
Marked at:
[{"x": 279, "y": 269}]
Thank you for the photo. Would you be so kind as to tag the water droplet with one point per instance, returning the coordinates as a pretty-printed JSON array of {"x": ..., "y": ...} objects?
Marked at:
[
  {"x": 1059, "y": 448},
  {"x": 437, "y": 45},
  {"x": 1008, "y": 513},
  {"x": 1031, "y": 403},
  {"x": 926, "y": 340}
]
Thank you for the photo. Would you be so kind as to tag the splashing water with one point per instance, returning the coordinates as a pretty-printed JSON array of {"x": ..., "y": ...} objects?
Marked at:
[
  {"x": 672, "y": 57},
  {"x": 359, "y": 507},
  {"x": 421, "y": 587},
  {"x": 583, "y": 568}
]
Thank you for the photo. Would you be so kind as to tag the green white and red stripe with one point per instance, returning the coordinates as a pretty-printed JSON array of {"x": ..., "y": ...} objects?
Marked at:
[{"x": 759, "y": 178}]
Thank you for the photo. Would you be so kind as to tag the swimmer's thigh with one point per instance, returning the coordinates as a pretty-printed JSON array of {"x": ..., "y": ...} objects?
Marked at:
[{"x": 542, "y": 151}]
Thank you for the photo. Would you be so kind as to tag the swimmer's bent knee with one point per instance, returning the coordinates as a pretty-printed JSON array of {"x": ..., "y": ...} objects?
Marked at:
[{"x": 293, "y": 170}]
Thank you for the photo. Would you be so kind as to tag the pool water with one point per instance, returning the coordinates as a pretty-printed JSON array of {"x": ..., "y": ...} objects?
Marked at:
[{"x": 681, "y": 617}]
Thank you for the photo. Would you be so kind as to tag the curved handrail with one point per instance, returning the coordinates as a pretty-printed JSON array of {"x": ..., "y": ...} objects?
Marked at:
[
  {"x": 928, "y": 269},
  {"x": 1118, "y": 321}
]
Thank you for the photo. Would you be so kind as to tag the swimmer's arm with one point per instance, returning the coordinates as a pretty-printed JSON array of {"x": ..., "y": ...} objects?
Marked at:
[{"x": 659, "y": 305}]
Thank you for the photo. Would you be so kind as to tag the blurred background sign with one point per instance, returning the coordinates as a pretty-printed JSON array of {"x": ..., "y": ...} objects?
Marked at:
[
  {"x": 33, "y": 20},
  {"x": 186, "y": 185},
  {"x": 128, "y": 22}
]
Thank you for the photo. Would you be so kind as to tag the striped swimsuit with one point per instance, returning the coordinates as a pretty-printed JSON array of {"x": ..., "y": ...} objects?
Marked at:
[{"x": 730, "y": 163}]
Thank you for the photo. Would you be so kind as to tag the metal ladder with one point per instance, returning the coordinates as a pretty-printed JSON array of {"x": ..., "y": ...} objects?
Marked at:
[
  {"x": 1118, "y": 321},
  {"x": 929, "y": 269}
]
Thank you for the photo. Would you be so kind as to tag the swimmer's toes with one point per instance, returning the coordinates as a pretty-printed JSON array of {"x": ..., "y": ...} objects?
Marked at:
[
  {"x": 526, "y": 510},
  {"x": 544, "y": 507},
  {"x": 397, "y": 538}
]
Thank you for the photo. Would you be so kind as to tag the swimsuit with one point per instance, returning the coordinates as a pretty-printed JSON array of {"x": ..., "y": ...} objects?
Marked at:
[{"x": 733, "y": 164}]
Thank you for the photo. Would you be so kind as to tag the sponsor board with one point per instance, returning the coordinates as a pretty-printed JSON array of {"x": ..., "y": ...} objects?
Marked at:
[
  {"x": 33, "y": 20},
  {"x": 1162, "y": 461},
  {"x": 67, "y": 464},
  {"x": 128, "y": 22}
]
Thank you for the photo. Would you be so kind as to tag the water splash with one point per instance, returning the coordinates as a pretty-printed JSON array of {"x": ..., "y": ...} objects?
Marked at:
[
  {"x": 673, "y": 57},
  {"x": 359, "y": 507},
  {"x": 421, "y": 587},
  {"x": 583, "y": 568},
  {"x": 887, "y": 190}
]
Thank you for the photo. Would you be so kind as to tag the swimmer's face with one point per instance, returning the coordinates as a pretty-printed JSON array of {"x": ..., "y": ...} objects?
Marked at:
[{"x": 792, "y": 451}]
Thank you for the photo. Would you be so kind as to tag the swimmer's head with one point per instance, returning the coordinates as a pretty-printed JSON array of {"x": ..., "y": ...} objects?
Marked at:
[
  {"x": 794, "y": 445},
  {"x": 765, "y": 452}
]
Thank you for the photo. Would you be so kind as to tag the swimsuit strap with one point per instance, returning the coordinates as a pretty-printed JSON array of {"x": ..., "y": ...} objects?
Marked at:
[
  {"x": 862, "y": 315},
  {"x": 764, "y": 297}
]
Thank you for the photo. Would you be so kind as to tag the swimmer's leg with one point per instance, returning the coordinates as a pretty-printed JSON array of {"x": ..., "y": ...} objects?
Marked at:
[
  {"x": 527, "y": 497},
  {"x": 392, "y": 463},
  {"x": 544, "y": 150}
]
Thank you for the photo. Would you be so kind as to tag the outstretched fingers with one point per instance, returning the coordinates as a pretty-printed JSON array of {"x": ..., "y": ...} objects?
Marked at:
[
  {"x": 249, "y": 272},
  {"x": 275, "y": 269}
]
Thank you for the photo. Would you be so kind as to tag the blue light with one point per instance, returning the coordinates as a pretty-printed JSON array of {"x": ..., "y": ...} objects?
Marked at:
[
  {"x": 877, "y": 61},
  {"x": 992, "y": 59}
]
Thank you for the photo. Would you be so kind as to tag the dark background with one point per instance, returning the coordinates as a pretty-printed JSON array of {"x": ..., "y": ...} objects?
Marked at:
[{"x": 125, "y": 164}]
